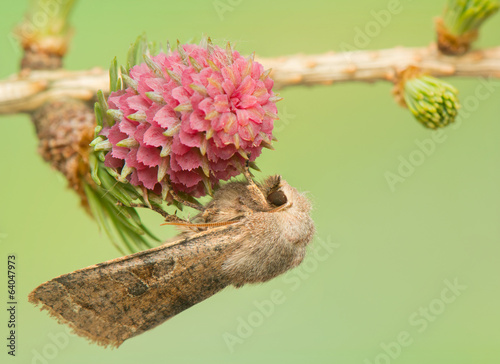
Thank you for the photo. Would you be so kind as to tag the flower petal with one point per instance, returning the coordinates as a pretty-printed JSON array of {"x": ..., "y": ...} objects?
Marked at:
[
  {"x": 148, "y": 177},
  {"x": 166, "y": 117},
  {"x": 221, "y": 103},
  {"x": 191, "y": 140},
  {"x": 149, "y": 156},
  {"x": 112, "y": 162},
  {"x": 188, "y": 161},
  {"x": 154, "y": 136}
]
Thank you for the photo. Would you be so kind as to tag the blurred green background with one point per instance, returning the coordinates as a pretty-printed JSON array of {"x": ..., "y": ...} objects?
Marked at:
[{"x": 393, "y": 250}]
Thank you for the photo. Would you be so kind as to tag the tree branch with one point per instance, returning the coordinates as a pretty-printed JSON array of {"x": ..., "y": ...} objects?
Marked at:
[{"x": 29, "y": 90}]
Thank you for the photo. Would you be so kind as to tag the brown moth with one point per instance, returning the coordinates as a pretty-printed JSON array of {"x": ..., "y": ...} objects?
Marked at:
[{"x": 248, "y": 233}]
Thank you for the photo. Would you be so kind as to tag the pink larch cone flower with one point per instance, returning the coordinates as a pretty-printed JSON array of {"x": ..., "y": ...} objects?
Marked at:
[{"x": 190, "y": 119}]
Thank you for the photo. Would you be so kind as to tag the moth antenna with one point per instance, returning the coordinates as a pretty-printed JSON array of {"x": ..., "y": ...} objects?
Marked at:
[{"x": 191, "y": 225}]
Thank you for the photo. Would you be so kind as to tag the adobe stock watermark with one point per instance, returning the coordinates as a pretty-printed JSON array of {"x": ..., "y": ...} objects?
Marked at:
[
  {"x": 221, "y": 7},
  {"x": 57, "y": 343},
  {"x": 47, "y": 10},
  {"x": 246, "y": 325},
  {"x": 425, "y": 148},
  {"x": 285, "y": 118},
  {"x": 419, "y": 322},
  {"x": 380, "y": 19}
]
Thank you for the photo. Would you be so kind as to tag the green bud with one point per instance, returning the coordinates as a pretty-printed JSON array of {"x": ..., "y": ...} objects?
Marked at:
[
  {"x": 464, "y": 16},
  {"x": 432, "y": 101}
]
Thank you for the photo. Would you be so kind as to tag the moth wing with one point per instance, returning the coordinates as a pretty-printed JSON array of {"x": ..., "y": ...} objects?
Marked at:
[{"x": 118, "y": 299}]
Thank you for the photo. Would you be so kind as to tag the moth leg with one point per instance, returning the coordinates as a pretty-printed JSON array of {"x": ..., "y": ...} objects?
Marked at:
[
  {"x": 252, "y": 186},
  {"x": 248, "y": 175}
]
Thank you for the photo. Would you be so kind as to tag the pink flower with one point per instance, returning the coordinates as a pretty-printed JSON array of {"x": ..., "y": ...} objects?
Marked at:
[{"x": 190, "y": 119}]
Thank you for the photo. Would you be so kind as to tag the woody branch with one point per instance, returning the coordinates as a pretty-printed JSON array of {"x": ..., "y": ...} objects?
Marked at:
[{"x": 29, "y": 90}]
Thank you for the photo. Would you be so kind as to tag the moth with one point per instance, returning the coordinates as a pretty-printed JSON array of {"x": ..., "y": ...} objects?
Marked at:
[{"x": 248, "y": 233}]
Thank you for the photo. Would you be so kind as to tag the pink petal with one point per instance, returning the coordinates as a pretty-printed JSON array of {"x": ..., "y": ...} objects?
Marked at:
[
  {"x": 119, "y": 152},
  {"x": 137, "y": 71},
  {"x": 191, "y": 140},
  {"x": 115, "y": 135},
  {"x": 114, "y": 99},
  {"x": 261, "y": 93},
  {"x": 154, "y": 137},
  {"x": 149, "y": 156},
  {"x": 148, "y": 177},
  {"x": 111, "y": 162},
  {"x": 187, "y": 79},
  {"x": 132, "y": 161},
  {"x": 221, "y": 103},
  {"x": 197, "y": 190},
  {"x": 186, "y": 178},
  {"x": 225, "y": 169},
  {"x": 227, "y": 173},
  {"x": 247, "y": 101},
  {"x": 155, "y": 84},
  {"x": 166, "y": 117},
  {"x": 223, "y": 139},
  {"x": 269, "y": 82},
  {"x": 188, "y": 161},
  {"x": 215, "y": 153},
  {"x": 257, "y": 113},
  {"x": 228, "y": 87},
  {"x": 181, "y": 95},
  {"x": 267, "y": 125},
  {"x": 143, "y": 85},
  {"x": 167, "y": 94},
  {"x": 213, "y": 90},
  {"x": 195, "y": 100},
  {"x": 207, "y": 105},
  {"x": 127, "y": 126},
  {"x": 247, "y": 87},
  {"x": 253, "y": 153},
  {"x": 140, "y": 131},
  {"x": 243, "y": 116},
  {"x": 134, "y": 179},
  {"x": 151, "y": 113},
  {"x": 248, "y": 132},
  {"x": 236, "y": 72},
  {"x": 160, "y": 59},
  {"x": 185, "y": 124},
  {"x": 198, "y": 122},
  {"x": 178, "y": 147},
  {"x": 224, "y": 122},
  {"x": 241, "y": 64},
  {"x": 201, "y": 78},
  {"x": 138, "y": 102},
  {"x": 105, "y": 131},
  {"x": 270, "y": 106},
  {"x": 257, "y": 70},
  {"x": 173, "y": 166}
]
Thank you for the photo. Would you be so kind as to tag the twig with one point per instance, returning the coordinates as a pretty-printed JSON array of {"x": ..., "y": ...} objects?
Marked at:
[{"x": 27, "y": 91}]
